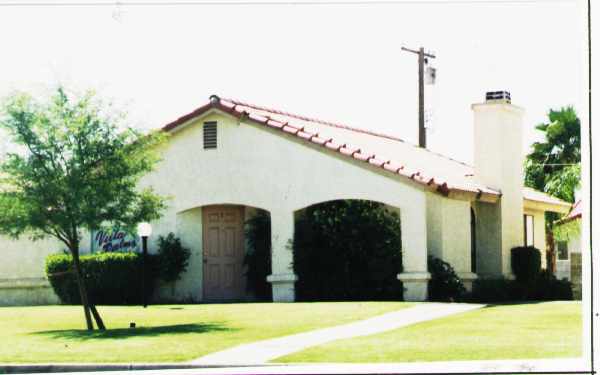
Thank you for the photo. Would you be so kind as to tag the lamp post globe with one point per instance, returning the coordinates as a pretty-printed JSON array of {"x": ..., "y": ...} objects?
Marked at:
[{"x": 144, "y": 229}]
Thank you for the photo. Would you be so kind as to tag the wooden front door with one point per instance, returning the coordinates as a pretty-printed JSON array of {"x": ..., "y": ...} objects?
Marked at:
[{"x": 223, "y": 253}]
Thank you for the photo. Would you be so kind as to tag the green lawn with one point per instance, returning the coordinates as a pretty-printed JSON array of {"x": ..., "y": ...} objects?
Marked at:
[
  {"x": 165, "y": 333},
  {"x": 520, "y": 331}
]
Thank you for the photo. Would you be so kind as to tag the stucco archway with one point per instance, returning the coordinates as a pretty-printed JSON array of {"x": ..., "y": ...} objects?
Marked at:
[
  {"x": 348, "y": 249},
  {"x": 218, "y": 246}
]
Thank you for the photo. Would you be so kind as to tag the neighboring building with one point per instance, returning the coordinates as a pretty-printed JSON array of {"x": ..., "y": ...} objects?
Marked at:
[
  {"x": 228, "y": 159},
  {"x": 568, "y": 248}
]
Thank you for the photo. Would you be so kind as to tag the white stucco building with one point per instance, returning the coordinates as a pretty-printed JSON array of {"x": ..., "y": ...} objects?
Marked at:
[{"x": 226, "y": 159}]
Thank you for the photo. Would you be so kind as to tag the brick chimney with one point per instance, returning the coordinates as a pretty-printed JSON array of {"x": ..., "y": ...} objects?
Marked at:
[{"x": 498, "y": 160}]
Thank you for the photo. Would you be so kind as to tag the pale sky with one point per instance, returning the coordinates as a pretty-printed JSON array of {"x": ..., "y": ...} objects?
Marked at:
[{"x": 339, "y": 62}]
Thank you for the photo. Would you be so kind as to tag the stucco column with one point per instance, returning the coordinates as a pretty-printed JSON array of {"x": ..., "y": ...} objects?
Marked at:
[
  {"x": 282, "y": 278},
  {"x": 414, "y": 252}
]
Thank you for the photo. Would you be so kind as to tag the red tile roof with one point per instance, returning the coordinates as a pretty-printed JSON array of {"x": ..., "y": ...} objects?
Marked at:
[{"x": 277, "y": 119}]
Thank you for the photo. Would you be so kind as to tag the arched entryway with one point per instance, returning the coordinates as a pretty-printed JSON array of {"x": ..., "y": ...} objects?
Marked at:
[
  {"x": 216, "y": 236},
  {"x": 348, "y": 249}
]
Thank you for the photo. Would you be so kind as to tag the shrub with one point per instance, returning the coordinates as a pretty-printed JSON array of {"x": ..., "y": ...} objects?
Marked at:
[
  {"x": 258, "y": 255},
  {"x": 444, "y": 284},
  {"x": 526, "y": 263},
  {"x": 544, "y": 287},
  {"x": 173, "y": 258},
  {"x": 494, "y": 290},
  {"x": 348, "y": 250},
  {"x": 547, "y": 287},
  {"x": 111, "y": 278}
]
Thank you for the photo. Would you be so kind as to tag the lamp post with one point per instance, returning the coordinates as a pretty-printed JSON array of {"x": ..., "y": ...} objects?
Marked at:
[{"x": 144, "y": 231}]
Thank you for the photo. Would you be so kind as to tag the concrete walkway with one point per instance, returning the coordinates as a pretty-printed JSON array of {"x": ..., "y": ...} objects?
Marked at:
[{"x": 261, "y": 352}]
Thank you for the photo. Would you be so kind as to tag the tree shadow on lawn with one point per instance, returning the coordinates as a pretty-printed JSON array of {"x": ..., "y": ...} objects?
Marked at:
[{"x": 123, "y": 333}]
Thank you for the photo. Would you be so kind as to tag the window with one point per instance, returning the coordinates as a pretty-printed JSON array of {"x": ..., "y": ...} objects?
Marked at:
[
  {"x": 562, "y": 250},
  {"x": 210, "y": 135},
  {"x": 528, "y": 230}
]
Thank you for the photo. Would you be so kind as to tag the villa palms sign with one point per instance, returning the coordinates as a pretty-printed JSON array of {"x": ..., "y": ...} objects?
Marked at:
[{"x": 114, "y": 240}]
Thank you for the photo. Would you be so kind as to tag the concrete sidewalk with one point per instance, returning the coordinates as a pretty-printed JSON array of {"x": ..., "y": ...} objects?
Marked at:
[{"x": 261, "y": 352}]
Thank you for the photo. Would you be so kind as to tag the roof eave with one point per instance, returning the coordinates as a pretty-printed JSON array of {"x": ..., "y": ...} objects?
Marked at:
[{"x": 561, "y": 208}]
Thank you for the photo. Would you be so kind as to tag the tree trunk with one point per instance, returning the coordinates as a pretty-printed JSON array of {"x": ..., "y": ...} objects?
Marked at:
[
  {"x": 550, "y": 254},
  {"x": 97, "y": 317},
  {"x": 82, "y": 289}
]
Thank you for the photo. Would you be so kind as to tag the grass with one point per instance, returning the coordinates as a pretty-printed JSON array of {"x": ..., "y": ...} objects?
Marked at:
[
  {"x": 164, "y": 333},
  {"x": 518, "y": 331}
]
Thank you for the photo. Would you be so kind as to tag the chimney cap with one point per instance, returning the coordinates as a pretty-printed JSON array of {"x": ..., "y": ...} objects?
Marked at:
[{"x": 497, "y": 96}]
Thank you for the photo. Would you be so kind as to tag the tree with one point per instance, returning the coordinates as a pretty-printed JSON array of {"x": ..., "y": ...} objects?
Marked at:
[
  {"x": 77, "y": 168},
  {"x": 554, "y": 166}
]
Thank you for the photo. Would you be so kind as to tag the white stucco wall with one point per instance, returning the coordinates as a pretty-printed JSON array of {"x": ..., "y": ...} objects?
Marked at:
[
  {"x": 449, "y": 231},
  {"x": 22, "y": 276},
  {"x": 255, "y": 167},
  {"x": 539, "y": 232}
]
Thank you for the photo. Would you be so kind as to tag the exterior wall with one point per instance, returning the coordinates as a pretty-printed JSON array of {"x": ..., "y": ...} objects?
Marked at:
[
  {"x": 449, "y": 234},
  {"x": 188, "y": 227},
  {"x": 499, "y": 165},
  {"x": 539, "y": 232},
  {"x": 280, "y": 176},
  {"x": 575, "y": 252},
  {"x": 489, "y": 240},
  {"x": 22, "y": 276}
]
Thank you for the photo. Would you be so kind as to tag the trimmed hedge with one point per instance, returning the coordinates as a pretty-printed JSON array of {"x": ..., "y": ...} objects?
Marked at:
[
  {"x": 494, "y": 290},
  {"x": 444, "y": 285},
  {"x": 111, "y": 278},
  {"x": 544, "y": 287},
  {"x": 348, "y": 250},
  {"x": 526, "y": 262}
]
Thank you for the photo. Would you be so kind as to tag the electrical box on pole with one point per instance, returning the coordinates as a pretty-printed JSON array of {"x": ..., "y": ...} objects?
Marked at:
[{"x": 423, "y": 58}]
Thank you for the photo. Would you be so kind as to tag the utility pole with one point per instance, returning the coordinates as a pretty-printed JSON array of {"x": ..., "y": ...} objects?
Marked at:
[{"x": 422, "y": 61}]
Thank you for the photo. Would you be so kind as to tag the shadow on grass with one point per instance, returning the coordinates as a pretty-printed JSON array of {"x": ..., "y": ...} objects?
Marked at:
[{"x": 123, "y": 333}]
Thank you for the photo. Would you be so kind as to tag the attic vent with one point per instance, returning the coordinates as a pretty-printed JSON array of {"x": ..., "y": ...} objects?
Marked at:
[{"x": 210, "y": 135}]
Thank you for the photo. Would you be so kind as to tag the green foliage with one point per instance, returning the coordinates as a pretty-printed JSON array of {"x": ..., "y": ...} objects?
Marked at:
[
  {"x": 173, "y": 258},
  {"x": 258, "y": 255},
  {"x": 494, "y": 290},
  {"x": 111, "y": 278},
  {"x": 567, "y": 231},
  {"x": 547, "y": 287},
  {"x": 444, "y": 285},
  {"x": 553, "y": 166},
  {"x": 526, "y": 262},
  {"x": 77, "y": 167},
  {"x": 542, "y": 287},
  {"x": 348, "y": 250}
]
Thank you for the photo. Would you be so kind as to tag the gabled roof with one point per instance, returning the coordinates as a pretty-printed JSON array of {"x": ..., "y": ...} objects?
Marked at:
[
  {"x": 432, "y": 170},
  {"x": 390, "y": 153}
]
